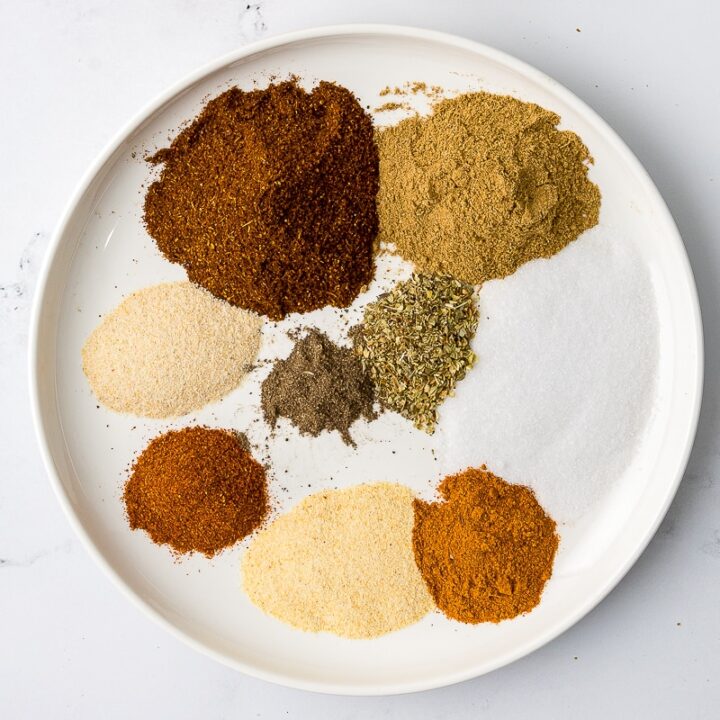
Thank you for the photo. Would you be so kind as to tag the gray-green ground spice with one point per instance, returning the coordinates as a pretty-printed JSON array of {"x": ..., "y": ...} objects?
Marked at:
[
  {"x": 414, "y": 343},
  {"x": 320, "y": 386}
]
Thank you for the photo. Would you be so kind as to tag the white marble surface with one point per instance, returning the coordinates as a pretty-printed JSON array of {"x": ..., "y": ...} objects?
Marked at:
[{"x": 72, "y": 73}]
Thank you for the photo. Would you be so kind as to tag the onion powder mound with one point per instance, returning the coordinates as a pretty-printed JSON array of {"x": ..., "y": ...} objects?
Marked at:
[
  {"x": 340, "y": 562},
  {"x": 169, "y": 349}
]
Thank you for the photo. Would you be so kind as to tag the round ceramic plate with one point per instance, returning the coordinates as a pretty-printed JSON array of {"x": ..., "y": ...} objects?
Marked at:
[{"x": 101, "y": 253}]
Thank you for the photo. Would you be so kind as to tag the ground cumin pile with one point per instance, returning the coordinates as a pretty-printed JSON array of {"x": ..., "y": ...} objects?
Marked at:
[
  {"x": 268, "y": 198},
  {"x": 196, "y": 490},
  {"x": 483, "y": 185},
  {"x": 487, "y": 551},
  {"x": 320, "y": 386}
]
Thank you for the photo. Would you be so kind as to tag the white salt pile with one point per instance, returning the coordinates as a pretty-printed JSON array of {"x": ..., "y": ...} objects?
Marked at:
[{"x": 563, "y": 388}]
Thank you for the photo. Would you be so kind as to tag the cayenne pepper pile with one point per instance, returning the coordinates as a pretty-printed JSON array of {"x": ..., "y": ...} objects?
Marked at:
[
  {"x": 487, "y": 551},
  {"x": 196, "y": 490},
  {"x": 268, "y": 198}
]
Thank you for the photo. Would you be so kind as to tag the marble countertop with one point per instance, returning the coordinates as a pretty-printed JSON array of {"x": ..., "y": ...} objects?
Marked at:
[{"x": 72, "y": 73}]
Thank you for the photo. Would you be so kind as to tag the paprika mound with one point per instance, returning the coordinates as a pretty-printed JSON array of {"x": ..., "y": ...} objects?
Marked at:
[
  {"x": 487, "y": 551},
  {"x": 268, "y": 198},
  {"x": 196, "y": 490}
]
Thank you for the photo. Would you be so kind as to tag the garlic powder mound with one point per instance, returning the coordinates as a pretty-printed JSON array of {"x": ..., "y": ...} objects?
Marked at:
[
  {"x": 342, "y": 562},
  {"x": 169, "y": 349}
]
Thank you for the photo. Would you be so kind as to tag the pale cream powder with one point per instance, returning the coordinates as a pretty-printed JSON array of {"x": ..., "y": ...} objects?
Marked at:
[{"x": 340, "y": 562}]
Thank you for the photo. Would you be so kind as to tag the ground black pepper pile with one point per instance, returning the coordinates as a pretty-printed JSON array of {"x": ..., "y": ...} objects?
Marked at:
[
  {"x": 320, "y": 386},
  {"x": 268, "y": 198}
]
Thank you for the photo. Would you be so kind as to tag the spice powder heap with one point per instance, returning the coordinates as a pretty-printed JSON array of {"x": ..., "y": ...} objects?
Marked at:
[
  {"x": 196, "y": 490},
  {"x": 415, "y": 344},
  {"x": 268, "y": 198},
  {"x": 169, "y": 349},
  {"x": 481, "y": 186},
  {"x": 320, "y": 386},
  {"x": 487, "y": 551},
  {"x": 341, "y": 562}
]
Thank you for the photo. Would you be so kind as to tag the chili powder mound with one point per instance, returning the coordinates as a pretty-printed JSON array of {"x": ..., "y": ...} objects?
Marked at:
[
  {"x": 268, "y": 198},
  {"x": 487, "y": 551},
  {"x": 196, "y": 490}
]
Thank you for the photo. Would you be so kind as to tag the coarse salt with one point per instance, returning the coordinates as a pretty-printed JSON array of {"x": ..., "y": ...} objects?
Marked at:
[{"x": 562, "y": 391}]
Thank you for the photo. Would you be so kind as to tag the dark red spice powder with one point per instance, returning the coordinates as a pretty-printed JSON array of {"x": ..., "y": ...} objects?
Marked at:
[
  {"x": 196, "y": 490},
  {"x": 268, "y": 198}
]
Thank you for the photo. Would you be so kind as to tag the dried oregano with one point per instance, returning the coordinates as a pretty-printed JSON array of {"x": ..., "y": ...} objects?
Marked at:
[{"x": 415, "y": 344}]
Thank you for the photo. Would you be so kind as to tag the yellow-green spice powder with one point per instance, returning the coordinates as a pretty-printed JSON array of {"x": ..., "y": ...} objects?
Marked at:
[{"x": 481, "y": 186}]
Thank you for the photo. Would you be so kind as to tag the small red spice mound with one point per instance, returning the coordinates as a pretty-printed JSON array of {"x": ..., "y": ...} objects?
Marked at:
[{"x": 196, "y": 490}]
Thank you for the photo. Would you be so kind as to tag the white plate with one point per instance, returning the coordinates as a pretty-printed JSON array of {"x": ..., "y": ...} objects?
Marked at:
[{"x": 101, "y": 253}]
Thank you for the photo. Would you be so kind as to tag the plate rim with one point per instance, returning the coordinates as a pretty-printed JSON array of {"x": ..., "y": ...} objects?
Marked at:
[{"x": 319, "y": 32}]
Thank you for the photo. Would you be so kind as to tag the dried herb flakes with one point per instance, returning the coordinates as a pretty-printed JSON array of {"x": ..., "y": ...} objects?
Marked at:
[{"x": 414, "y": 343}]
